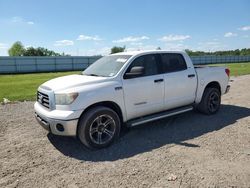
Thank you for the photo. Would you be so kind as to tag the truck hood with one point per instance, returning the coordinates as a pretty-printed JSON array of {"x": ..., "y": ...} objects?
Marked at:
[{"x": 67, "y": 82}]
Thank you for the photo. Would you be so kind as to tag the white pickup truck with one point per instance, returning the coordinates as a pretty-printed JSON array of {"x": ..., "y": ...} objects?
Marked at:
[{"x": 127, "y": 89}]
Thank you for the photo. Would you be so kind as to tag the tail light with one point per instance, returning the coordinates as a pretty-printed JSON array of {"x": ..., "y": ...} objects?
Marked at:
[{"x": 227, "y": 72}]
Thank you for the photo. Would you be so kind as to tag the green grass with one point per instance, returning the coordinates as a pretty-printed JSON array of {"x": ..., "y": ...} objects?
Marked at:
[
  {"x": 237, "y": 69},
  {"x": 20, "y": 87}
]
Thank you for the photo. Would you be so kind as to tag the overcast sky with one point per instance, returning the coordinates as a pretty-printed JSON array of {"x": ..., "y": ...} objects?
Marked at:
[{"x": 90, "y": 27}]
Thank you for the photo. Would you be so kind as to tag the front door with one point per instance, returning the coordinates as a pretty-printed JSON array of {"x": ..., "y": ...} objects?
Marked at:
[{"x": 144, "y": 94}]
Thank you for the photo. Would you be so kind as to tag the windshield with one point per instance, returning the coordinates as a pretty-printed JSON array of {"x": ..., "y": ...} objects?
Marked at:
[{"x": 106, "y": 66}]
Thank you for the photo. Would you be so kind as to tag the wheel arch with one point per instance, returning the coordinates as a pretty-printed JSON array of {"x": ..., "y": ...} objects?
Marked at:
[
  {"x": 213, "y": 84},
  {"x": 202, "y": 88},
  {"x": 109, "y": 104},
  {"x": 203, "y": 105}
]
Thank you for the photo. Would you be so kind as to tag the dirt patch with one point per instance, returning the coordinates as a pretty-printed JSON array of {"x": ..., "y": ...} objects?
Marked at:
[{"x": 183, "y": 151}]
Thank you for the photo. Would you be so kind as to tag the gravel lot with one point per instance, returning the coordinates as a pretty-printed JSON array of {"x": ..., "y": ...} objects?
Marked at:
[{"x": 189, "y": 150}]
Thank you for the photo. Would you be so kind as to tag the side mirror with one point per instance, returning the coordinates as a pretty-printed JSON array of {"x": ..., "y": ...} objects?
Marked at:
[{"x": 134, "y": 72}]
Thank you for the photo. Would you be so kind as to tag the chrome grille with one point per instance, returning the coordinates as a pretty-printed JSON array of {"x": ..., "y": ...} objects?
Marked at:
[{"x": 43, "y": 99}]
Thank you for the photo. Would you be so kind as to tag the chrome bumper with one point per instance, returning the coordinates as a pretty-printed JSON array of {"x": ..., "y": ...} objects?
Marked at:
[{"x": 58, "y": 127}]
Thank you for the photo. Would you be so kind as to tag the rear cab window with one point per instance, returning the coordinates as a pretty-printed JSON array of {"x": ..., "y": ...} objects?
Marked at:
[{"x": 173, "y": 62}]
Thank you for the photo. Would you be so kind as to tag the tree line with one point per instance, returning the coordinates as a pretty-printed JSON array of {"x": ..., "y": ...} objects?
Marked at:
[
  {"x": 17, "y": 49},
  {"x": 244, "y": 51}
]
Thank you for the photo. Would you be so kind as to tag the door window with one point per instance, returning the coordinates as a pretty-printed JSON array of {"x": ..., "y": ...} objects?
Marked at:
[{"x": 149, "y": 62}]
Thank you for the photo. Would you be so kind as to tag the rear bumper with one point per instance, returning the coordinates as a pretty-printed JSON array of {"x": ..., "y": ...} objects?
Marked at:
[
  {"x": 227, "y": 89},
  {"x": 63, "y": 125}
]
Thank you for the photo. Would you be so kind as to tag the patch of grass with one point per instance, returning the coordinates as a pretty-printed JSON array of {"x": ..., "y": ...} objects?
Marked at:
[
  {"x": 237, "y": 69},
  {"x": 20, "y": 87}
]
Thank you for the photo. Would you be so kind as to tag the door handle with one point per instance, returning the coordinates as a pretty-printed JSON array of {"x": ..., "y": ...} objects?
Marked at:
[
  {"x": 191, "y": 75},
  {"x": 158, "y": 80}
]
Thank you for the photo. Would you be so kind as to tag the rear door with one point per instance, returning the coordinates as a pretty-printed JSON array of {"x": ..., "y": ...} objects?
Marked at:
[
  {"x": 145, "y": 94},
  {"x": 180, "y": 81}
]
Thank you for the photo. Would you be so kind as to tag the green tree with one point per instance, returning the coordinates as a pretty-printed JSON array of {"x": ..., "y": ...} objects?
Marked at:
[
  {"x": 17, "y": 49},
  {"x": 31, "y": 51},
  {"x": 117, "y": 49}
]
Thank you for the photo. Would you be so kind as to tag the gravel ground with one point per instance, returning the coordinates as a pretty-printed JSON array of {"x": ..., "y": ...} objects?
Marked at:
[{"x": 189, "y": 150}]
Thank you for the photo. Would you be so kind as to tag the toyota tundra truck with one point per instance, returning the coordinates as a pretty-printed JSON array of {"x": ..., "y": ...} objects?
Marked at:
[{"x": 127, "y": 89}]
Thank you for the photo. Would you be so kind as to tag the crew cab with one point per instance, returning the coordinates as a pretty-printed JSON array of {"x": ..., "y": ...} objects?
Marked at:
[{"x": 127, "y": 89}]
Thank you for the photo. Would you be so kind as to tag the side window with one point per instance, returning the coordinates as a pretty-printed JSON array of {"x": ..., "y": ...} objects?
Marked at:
[
  {"x": 173, "y": 62},
  {"x": 149, "y": 62}
]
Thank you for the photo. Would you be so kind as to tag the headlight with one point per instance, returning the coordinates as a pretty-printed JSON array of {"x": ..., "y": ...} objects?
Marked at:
[{"x": 65, "y": 99}]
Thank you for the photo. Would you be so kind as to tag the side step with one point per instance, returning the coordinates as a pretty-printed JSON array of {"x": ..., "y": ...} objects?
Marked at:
[{"x": 158, "y": 116}]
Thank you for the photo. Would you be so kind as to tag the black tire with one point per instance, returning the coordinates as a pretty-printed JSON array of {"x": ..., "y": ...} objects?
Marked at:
[
  {"x": 210, "y": 102},
  {"x": 99, "y": 127}
]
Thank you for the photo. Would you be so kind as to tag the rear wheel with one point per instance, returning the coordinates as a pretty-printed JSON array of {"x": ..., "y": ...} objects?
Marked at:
[
  {"x": 99, "y": 127},
  {"x": 210, "y": 102}
]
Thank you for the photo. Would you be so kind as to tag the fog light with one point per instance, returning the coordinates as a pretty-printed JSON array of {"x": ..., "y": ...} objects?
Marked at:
[{"x": 60, "y": 127}]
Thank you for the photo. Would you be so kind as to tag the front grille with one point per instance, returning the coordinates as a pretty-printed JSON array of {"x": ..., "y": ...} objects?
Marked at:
[{"x": 43, "y": 99}]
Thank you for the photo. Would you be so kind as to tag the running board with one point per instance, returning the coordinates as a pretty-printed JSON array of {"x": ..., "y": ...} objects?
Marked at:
[{"x": 158, "y": 116}]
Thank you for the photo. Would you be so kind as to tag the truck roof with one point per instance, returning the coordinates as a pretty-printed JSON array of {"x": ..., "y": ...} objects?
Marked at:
[{"x": 141, "y": 52}]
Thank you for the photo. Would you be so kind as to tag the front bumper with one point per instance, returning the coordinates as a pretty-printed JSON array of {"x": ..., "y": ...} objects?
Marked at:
[{"x": 59, "y": 126}]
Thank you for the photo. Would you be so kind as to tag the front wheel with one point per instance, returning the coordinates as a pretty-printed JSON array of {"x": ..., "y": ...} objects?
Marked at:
[
  {"x": 210, "y": 102},
  {"x": 99, "y": 127}
]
